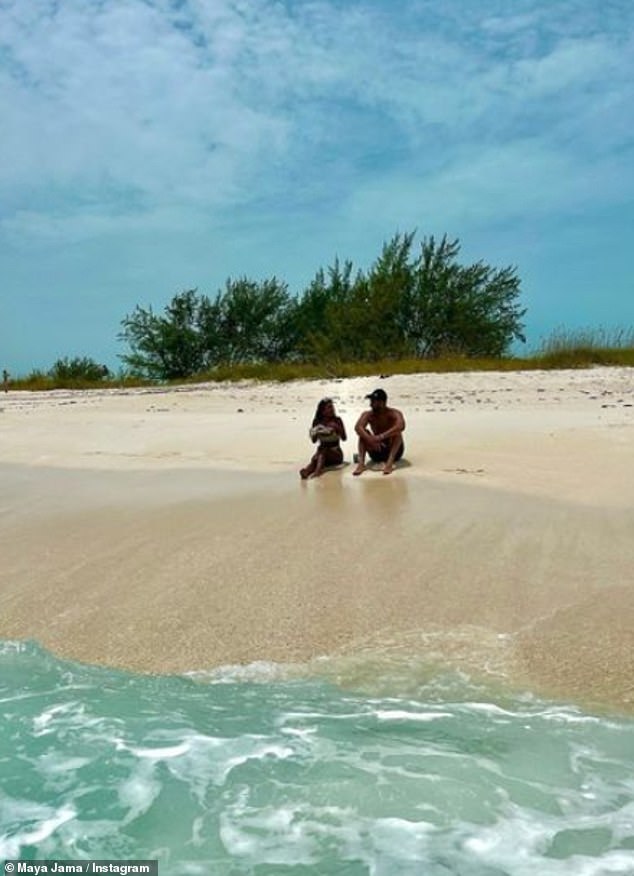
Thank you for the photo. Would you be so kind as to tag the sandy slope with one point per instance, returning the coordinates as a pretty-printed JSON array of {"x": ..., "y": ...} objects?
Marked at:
[{"x": 168, "y": 530}]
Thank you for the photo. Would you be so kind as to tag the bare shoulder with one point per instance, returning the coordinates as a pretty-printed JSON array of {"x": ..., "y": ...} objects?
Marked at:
[{"x": 396, "y": 416}]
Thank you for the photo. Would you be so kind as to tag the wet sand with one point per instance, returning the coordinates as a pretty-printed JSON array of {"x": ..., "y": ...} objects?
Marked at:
[{"x": 168, "y": 531}]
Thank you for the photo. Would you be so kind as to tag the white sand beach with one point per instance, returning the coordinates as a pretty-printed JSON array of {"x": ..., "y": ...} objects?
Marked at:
[{"x": 167, "y": 530}]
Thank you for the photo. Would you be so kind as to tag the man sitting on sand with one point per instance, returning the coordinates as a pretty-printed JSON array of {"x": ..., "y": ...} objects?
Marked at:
[{"x": 380, "y": 432}]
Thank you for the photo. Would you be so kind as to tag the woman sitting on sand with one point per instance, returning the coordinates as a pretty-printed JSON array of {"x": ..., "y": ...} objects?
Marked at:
[{"x": 329, "y": 430}]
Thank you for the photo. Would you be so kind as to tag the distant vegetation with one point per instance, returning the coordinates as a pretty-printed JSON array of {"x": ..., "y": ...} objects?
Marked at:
[
  {"x": 78, "y": 372},
  {"x": 422, "y": 305},
  {"x": 583, "y": 347},
  {"x": 562, "y": 349},
  {"x": 80, "y": 368},
  {"x": 410, "y": 312}
]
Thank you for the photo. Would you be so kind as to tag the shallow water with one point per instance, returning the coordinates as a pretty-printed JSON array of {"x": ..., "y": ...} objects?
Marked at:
[{"x": 273, "y": 770}]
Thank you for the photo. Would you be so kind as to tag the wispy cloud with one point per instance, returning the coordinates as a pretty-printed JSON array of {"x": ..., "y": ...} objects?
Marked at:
[
  {"x": 221, "y": 104},
  {"x": 144, "y": 117}
]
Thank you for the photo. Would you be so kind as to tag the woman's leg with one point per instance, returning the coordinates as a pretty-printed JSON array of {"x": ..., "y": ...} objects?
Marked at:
[
  {"x": 333, "y": 456},
  {"x": 308, "y": 470},
  {"x": 320, "y": 458}
]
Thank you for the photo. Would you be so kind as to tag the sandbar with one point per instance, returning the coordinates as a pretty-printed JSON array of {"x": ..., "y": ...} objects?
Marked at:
[{"x": 166, "y": 530}]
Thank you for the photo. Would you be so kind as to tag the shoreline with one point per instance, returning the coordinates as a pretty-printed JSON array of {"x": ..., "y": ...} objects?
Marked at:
[{"x": 506, "y": 542}]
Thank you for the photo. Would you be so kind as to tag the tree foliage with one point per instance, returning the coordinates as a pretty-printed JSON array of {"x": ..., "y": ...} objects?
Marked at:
[
  {"x": 255, "y": 320},
  {"x": 168, "y": 346},
  {"x": 407, "y": 303},
  {"x": 78, "y": 368},
  {"x": 248, "y": 322}
]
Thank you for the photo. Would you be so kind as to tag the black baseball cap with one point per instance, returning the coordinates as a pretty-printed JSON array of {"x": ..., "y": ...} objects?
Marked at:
[{"x": 378, "y": 395}]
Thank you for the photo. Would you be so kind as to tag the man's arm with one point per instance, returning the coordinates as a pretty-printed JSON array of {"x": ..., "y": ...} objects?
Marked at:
[
  {"x": 369, "y": 439},
  {"x": 361, "y": 427}
]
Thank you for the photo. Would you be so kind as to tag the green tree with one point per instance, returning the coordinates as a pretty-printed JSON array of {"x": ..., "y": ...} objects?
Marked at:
[
  {"x": 256, "y": 320},
  {"x": 212, "y": 332},
  {"x": 379, "y": 306},
  {"x": 424, "y": 305},
  {"x": 248, "y": 322},
  {"x": 450, "y": 308},
  {"x": 324, "y": 322},
  {"x": 165, "y": 347}
]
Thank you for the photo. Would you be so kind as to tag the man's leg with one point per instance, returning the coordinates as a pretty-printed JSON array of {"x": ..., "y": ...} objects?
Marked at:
[
  {"x": 395, "y": 445},
  {"x": 362, "y": 450}
]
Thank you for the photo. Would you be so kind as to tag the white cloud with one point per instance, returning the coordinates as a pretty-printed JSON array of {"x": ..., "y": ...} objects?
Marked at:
[
  {"x": 128, "y": 112},
  {"x": 113, "y": 95}
]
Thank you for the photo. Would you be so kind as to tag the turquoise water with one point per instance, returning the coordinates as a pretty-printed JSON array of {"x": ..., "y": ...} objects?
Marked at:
[{"x": 263, "y": 771}]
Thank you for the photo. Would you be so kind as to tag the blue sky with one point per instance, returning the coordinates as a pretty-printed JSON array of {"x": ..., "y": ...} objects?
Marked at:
[{"x": 150, "y": 146}]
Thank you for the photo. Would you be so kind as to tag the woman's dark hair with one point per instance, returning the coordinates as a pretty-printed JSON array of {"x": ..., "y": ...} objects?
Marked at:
[{"x": 319, "y": 413}]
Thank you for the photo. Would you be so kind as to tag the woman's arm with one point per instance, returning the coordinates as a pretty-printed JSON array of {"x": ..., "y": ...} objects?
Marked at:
[{"x": 341, "y": 429}]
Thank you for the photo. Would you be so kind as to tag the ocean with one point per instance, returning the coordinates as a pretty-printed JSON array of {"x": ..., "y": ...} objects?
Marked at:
[{"x": 283, "y": 770}]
